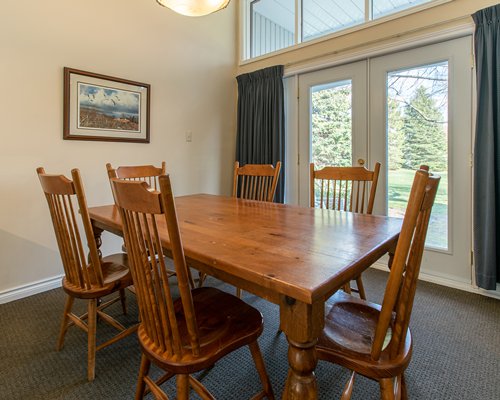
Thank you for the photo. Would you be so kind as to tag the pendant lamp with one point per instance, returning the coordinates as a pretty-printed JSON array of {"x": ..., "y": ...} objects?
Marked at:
[{"x": 194, "y": 8}]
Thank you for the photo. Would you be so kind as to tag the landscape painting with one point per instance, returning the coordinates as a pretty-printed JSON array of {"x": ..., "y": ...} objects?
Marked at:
[{"x": 105, "y": 108}]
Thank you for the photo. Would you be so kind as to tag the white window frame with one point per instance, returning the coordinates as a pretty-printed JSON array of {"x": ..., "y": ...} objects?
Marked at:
[{"x": 245, "y": 27}]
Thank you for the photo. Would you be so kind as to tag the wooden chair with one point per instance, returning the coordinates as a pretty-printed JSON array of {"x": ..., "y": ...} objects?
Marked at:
[
  {"x": 344, "y": 188},
  {"x": 256, "y": 181},
  {"x": 191, "y": 333},
  {"x": 146, "y": 173},
  {"x": 87, "y": 279},
  {"x": 373, "y": 340}
]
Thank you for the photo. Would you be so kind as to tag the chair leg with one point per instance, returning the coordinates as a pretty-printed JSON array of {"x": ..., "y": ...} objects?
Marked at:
[
  {"x": 201, "y": 279},
  {"x": 361, "y": 288},
  {"x": 404, "y": 392},
  {"x": 182, "y": 387},
  {"x": 347, "y": 288},
  {"x": 347, "y": 393},
  {"x": 123, "y": 299},
  {"x": 143, "y": 371},
  {"x": 397, "y": 388},
  {"x": 200, "y": 390},
  {"x": 386, "y": 389},
  {"x": 91, "y": 324},
  {"x": 261, "y": 369},
  {"x": 238, "y": 292},
  {"x": 64, "y": 323}
]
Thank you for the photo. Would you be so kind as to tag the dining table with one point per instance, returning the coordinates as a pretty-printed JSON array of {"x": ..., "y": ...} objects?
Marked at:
[{"x": 296, "y": 257}]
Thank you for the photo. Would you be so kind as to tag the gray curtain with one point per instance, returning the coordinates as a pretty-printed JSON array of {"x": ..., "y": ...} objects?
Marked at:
[
  {"x": 261, "y": 121},
  {"x": 487, "y": 149}
]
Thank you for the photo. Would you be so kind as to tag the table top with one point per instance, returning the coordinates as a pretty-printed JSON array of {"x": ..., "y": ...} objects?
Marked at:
[{"x": 273, "y": 249}]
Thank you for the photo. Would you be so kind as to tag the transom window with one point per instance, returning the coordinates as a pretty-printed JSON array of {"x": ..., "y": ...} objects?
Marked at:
[{"x": 272, "y": 25}]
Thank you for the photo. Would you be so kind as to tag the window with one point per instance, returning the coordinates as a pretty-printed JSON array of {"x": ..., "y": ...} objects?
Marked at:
[
  {"x": 321, "y": 17},
  {"x": 272, "y": 25},
  {"x": 381, "y": 8}
]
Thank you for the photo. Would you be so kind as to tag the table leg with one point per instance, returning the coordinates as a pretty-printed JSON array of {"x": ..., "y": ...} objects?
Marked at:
[
  {"x": 98, "y": 240},
  {"x": 302, "y": 323},
  {"x": 391, "y": 252}
]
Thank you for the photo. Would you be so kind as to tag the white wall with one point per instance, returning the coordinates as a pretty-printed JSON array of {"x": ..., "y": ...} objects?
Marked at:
[{"x": 190, "y": 64}]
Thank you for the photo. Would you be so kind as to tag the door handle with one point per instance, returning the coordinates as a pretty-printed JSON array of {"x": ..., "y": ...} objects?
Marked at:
[{"x": 361, "y": 162}]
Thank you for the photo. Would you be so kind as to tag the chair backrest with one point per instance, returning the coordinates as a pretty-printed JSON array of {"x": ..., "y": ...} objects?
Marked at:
[
  {"x": 146, "y": 173},
  {"x": 343, "y": 188},
  {"x": 142, "y": 211},
  {"x": 401, "y": 285},
  {"x": 256, "y": 181},
  {"x": 62, "y": 194}
]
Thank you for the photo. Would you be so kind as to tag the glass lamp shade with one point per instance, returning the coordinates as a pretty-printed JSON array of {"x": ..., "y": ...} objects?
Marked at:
[{"x": 194, "y": 8}]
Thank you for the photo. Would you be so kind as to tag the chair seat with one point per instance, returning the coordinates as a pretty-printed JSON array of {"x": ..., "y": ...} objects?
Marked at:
[
  {"x": 116, "y": 275},
  {"x": 348, "y": 335},
  {"x": 225, "y": 323}
]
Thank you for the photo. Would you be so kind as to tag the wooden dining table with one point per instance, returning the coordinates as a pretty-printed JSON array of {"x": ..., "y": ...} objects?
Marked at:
[{"x": 293, "y": 256}]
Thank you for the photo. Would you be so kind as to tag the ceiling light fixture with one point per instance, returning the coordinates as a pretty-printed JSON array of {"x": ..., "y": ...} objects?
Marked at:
[{"x": 194, "y": 8}]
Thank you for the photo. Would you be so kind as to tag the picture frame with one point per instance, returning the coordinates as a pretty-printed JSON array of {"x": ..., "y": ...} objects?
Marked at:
[{"x": 105, "y": 108}]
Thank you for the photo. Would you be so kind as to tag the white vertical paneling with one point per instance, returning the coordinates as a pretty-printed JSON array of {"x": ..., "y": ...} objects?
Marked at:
[{"x": 267, "y": 36}]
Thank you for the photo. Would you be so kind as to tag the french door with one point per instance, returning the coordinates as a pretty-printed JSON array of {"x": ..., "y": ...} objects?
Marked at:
[
  {"x": 332, "y": 120},
  {"x": 403, "y": 110}
]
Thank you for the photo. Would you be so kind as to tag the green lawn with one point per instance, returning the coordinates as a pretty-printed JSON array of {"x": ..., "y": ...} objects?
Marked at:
[{"x": 399, "y": 185}]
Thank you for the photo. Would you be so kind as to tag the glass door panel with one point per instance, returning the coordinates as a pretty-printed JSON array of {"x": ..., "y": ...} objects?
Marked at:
[
  {"x": 332, "y": 120},
  {"x": 417, "y": 134},
  {"x": 331, "y": 124}
]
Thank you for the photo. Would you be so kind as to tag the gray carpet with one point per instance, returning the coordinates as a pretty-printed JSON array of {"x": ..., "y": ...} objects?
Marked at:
[{"x": 456, "y": 353}]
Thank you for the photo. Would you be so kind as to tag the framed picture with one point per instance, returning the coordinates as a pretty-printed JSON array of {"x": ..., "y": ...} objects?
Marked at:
[{"x": 100, "y": 107}]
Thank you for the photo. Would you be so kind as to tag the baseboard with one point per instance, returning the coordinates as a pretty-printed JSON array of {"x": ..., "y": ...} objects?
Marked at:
[
  {"x": 30, "y": 289},
  {"x": 443, "y": 281}
]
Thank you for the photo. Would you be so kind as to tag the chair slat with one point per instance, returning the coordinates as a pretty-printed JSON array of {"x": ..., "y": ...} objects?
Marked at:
[
  {"x": 70, "y": 245},
  {"x": 339, "y": 197},
  {"x": 334, "y": 194},
  {"x": 323, "y": 191},
  {"x": 356, "y": 208},
  {"x": 253, "y": 187},
  {"x": 78, "y": 250},
  {"x": 154, "y": 276}
]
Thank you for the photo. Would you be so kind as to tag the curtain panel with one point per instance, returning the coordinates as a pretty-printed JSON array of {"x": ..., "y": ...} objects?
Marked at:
[
  {"x": 487, "y": 148},
  {"x": 261, "y": 121}
]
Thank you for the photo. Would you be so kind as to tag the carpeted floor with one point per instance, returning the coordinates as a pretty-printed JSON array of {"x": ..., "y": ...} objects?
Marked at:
[{"x": 456, "y": 352}]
